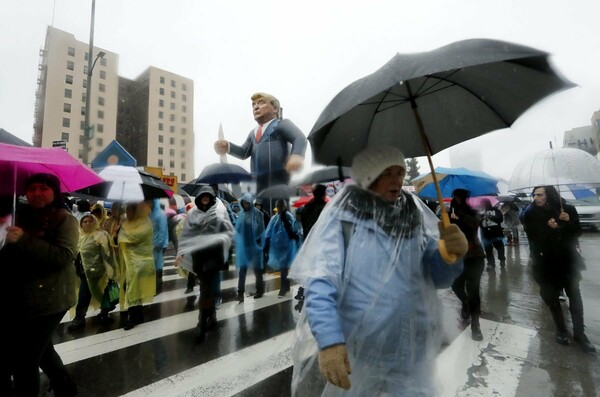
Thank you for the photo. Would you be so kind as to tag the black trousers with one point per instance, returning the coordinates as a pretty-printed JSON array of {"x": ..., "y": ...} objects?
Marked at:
[
  {"x": 489, "y": 251},
  {"x": 258, "y": 273},
  {"x": 33, "y": 347},
  {"x": 84, "y": 298},
  {"x": 550, "y": 292},
  {"x": 466, "y": 286}
]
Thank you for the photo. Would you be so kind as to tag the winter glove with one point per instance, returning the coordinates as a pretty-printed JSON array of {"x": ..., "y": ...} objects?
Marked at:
[
  {"x": 335, "y": 365},
  {"x": 455, "y": 240}
]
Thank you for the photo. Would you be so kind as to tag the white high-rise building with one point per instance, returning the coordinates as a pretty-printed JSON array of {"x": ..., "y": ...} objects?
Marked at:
[{"x": 151, "y": 116}]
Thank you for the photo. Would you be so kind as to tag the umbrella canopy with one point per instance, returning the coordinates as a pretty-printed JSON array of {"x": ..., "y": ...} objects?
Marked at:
[
  {"x": 476, "y": 182},
  {"x": 451, "y": 94},
  {"x": 223, "y": 173},
  {"x": 192, "y": 188},
  {"x": 326, "y": 174},
  {"x": 573, "y": 171},
  {"x": 423, "y": 103},
  {"x": 22, "y": 162},
  {"x": 281, "y": 192},
  {"x": 305, "y": 200},
  {"x": 124, "y": 183}
]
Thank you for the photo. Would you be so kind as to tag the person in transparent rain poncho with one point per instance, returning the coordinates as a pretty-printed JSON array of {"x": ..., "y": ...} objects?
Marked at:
[{"x": 370, "y": 267}]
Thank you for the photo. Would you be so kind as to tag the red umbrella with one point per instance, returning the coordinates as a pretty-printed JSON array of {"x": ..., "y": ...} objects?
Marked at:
[{"x": 304, "y": 200}]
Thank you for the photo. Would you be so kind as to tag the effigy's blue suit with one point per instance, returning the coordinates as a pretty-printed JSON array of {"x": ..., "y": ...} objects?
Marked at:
[{"x": 270, "y": 154}]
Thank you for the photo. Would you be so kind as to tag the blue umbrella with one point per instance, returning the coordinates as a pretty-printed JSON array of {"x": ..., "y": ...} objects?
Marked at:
[{"x": 476, "y": 182}]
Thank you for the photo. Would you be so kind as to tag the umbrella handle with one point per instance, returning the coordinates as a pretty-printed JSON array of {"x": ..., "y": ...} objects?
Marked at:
[{"x": 447, "y": 257}]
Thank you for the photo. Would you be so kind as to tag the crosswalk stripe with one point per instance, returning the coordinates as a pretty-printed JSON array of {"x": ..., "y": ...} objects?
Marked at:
[
  {"x": 81, "y": 349},
  {"x": 244, "y": 368}
]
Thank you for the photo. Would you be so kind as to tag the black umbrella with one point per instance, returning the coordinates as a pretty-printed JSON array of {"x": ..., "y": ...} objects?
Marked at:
[
  {"x": 281, "y": 192},
  {"x": 425, "y": 102},
  {"x": 327, "y": 174},
  {"x": 223, "y": 173},
  {"x": 192, "y": 188}
]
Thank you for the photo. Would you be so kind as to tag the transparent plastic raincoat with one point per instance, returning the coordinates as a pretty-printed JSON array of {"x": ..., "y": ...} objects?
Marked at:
[
  {"x": 370, "y": 270},
  {"x": 249, "y": 236},
  {"x": 135, "y": 254},
  {"x": 98, "y": 261}
]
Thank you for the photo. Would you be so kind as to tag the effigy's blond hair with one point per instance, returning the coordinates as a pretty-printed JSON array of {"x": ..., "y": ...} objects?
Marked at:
[{"x": 274, "y": 101}]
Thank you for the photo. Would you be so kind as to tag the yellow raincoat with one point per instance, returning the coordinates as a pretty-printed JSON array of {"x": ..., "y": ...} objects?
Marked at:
[
  {"x": 135, "y": 254},
  {"x": 98, "y": 261}
]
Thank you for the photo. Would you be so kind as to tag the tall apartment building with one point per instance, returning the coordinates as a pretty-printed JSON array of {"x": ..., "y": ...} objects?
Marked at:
[
  {"x": 60, "y": 96},
  {"x": 155, "y": 122},
  {"x": 151, "y": 116}
]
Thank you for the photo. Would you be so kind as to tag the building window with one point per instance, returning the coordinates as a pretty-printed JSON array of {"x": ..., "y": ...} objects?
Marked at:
[
  {"x": 83, "y": 97},
  {"x": 160, "y": 139},
  {"x": 183, "y": 177},
  {"x": 100, "y": 114},
  {"x": 85, "y": 57},
  {"x": 84, "y": 83},
  {"x": 67, "y": 108},
  {"x": 172, "y": 164},
  {"x": 160, "y": 162},
  {"x": 82, "y": 125},
  {"x": 66, "y": 122},
  {"x": 173, "y": 83},
  {"x": 160, "y": 114},
  {"x": 182, "y": 155},
  {"x": 171, "y": 117},
  {"x": 183, "y": 131},
  {"x": 184, "y": 86},
  {"x": 184, "y": 108},
  {"x": 183, "y": 164},
  {"x": 103, "y": 74},
  {"x": 172, "y": 153},
  {"x": 101, "y": 87},
  {"x": 81, "y": 139},
  {"x": 162, "y": 80},
  {"x": 160, "y": 150},
  {"x": 172, "y": 128},
  {"x": 70, "y": 65},
  {"x": 103, "y": 61},
  {"x": 99, "y": 142},
  {"x": 161, "y": 91},
  {"x": 69, "y": 79},
  {"x": 71, "y": 51},
  {"x": 64, "y": 136},
  {"x": 183, "y": 142},
  {"x": 160, "y": 126},
  {"x": 83, "y": 110},
  {"x": 100, "y": 127},
  {"x": 85, "y": 69},
  {"x": 68, "y": 93},
  {"x": 184, "y": 98},
  {"x": 172, "y": 141},
  {"x": 183, "y": 119},
  {"x": 101, "y": 101},
  {"x": 173, "y": 94},
  {"x": 172, "y": 105},
  {"x": 161, "y": 103}
]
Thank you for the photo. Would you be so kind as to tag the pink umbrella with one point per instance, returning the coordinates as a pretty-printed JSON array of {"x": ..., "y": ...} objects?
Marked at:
[
  {"x": 17, "y": 163},
  {"x": 475, "y": 202}
]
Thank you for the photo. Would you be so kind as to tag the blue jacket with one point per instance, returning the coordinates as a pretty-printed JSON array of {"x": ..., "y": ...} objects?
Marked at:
[
  {"x": 282, "y": 248},
  {"x": 160, "y": 228},
  {"x": 370, "y": 270}
]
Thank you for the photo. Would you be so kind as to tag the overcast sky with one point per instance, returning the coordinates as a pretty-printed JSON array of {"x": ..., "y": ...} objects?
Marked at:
[{"x": 305, "y": 52}]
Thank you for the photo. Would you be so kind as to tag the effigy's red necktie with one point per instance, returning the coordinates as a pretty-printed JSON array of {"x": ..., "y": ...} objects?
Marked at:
[{"x": 259, "y": 133}]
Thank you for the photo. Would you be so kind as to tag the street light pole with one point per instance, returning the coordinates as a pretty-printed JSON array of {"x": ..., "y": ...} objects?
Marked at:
[{"x": 87, "y": 129}]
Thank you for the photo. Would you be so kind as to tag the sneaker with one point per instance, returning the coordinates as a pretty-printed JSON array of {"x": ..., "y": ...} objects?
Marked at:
[
  {"x": 562, "y": 296},
  {"x": 585, "y": 343},
  {"x": 259, "y": 294},
  {"x": 300, "y": 295},
  {"x": 218, "y": 302},
  {"x": 282, "y": 293}
]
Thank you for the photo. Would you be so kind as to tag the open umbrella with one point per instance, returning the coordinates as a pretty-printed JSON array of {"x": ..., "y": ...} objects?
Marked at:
[
  {"x": 17, "y": 163},
  {"x": 123, "y": 183},
  {"x": 223, "y": 173},
  {"x": 281, "y": 192},
  {"x": 326, "y": 174},
  {"x": 573, "y": 171},
  {"x": 423, "y": 103},
  {"x": 476, "y": 182}
]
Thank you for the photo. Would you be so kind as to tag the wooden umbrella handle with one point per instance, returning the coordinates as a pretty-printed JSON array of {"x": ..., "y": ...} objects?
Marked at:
[{"x": 447, "y": 257}]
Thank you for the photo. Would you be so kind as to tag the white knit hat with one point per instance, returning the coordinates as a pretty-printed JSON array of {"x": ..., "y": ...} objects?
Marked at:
[{"x": 368, "y": 164}]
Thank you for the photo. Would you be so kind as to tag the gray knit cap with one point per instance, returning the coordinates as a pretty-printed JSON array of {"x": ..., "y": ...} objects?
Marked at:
[{"x": 368, "y": 164}]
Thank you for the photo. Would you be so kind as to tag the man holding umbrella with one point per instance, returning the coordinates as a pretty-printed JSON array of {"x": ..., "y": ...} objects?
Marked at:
[{"x": 267, "y": 144}]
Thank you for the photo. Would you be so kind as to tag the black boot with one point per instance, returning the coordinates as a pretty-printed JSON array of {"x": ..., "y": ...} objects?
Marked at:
[
  {"x": 207, "y": 320},
  {"x": 78, "y": 323},
  {"x": 284, "y": 283},
  {"x": 561, "y": 334},
  {"x": 584, "y": 342},
  {"x": 475, "y": 328},
  {"x": 579, "y": 336},
  {"x": 159, "y": 281},
  {"x": 191, "y": 283},
  {"x": 135, "y": 317},
  {"x": 63, "y": 386},
  {"x": 300, "y": 294},
  {"x": 240, "y": 297}
]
